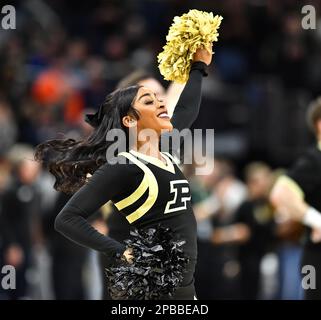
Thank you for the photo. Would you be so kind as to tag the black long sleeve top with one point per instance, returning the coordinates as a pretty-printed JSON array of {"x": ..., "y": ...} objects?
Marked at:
[{"x": 120, "y": 183}]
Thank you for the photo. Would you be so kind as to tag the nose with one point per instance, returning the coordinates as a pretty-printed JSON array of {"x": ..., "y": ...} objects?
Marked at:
[
  {"x": 162, "y": 106},
  {"x": 161, "y": 103}
]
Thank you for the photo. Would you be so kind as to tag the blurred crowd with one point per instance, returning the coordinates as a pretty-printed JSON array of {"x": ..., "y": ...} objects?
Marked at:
[
  {"x": 246, "y": 249},
  {"x": 60, "y": 63}
]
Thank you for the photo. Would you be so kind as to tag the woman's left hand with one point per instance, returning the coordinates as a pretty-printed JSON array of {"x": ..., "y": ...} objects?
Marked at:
[{"x": 204, "y": 55}]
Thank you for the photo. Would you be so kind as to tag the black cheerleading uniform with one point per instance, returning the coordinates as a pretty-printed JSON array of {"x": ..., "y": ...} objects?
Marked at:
[
  {"x": 145, "y": 190},
  {"x": 306, "y": 173}
]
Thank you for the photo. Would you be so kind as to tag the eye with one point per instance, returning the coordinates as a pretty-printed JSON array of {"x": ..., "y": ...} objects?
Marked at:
[{"x": 149, "y": 102}]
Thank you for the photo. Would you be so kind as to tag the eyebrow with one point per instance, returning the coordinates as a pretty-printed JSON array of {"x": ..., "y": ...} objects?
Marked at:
[{"x": 144, "y": 95}]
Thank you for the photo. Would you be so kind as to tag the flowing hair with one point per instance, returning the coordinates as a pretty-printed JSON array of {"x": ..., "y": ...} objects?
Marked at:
[{"x": 69, "y": 161}]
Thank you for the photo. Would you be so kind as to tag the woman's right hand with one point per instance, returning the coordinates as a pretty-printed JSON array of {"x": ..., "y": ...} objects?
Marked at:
[{"x": 128, "y": 255}]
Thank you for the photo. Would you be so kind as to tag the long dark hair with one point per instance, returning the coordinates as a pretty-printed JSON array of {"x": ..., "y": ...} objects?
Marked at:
[{"x": 69, "y": 160}]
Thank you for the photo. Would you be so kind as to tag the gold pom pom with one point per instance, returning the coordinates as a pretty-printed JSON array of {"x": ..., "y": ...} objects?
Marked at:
[{"x": 187, "y": 33}]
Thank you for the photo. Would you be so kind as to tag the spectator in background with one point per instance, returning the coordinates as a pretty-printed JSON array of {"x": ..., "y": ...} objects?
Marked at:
[
  {"x": 244, "y": 238},
  {"x": 254, "y": 228},
  {"x": 289, "y": 249},
  {"x": 20, "y": 216},
  {"x": 225, "y": 194}
]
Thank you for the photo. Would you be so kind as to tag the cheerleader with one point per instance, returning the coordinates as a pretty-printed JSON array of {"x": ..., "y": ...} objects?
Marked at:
[
  {"x": 117, "y": 225},
  {"x": 148, "y": 188}
]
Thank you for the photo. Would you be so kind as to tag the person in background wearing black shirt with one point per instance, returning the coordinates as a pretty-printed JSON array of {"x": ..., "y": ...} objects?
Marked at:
[
  {"x": 256, "y": 214},
  {"x": 298, "y": 195},
  {"x": 20, "y": 217}
]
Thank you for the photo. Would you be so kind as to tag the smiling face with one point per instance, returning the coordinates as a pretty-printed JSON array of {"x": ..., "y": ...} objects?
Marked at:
[{"x": 152, "y": 112}]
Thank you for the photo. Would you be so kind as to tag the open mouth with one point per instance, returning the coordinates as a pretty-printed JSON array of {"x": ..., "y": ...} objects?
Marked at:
[{"x": 163, "y": 115}]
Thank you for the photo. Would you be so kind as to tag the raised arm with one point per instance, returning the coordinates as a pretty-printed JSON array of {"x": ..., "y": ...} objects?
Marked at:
[
  {"x": 187, "y": 108},
  {"x": 188, "y": 105},
  {"x": 173, "y": 93}
]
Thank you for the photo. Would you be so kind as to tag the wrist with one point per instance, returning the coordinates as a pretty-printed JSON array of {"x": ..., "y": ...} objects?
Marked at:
[
  {"x": 120, "y": 250},
  {"x": 312, "y": 218},
  {"x": 201, "y": 66}
]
